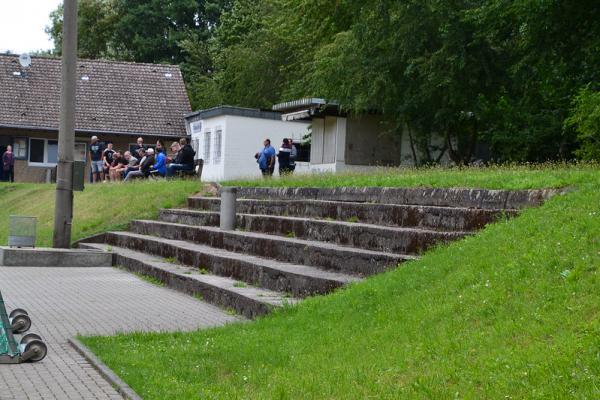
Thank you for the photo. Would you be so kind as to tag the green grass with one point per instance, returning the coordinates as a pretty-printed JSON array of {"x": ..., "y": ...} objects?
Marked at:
[
  {"x": 529, "y": 176},
  {"x": 97, "y": 209},
  {"x": 150, "y": 279},
  {"x": 510, "y": 313}
]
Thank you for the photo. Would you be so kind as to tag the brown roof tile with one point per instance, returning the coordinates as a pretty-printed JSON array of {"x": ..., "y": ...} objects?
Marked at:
[{"x": 116, "y": 97}]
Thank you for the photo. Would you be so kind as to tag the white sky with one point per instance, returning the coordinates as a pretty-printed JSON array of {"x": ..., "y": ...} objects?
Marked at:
[{"x": 22, "y": 24}]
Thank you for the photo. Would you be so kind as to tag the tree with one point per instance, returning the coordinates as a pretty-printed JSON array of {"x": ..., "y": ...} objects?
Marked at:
[
  {"x": 96, "y": 24},
  {"x": 585, "y": 119}
]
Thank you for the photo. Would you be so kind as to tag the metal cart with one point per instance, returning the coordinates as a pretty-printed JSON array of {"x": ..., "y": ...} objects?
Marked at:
[{"x": 30, "y": 348}]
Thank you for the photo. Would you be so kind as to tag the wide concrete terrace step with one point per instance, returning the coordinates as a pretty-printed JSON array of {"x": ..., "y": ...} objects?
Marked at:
[
  {"x": 298, "y": 251},
  {"x": 297, "y": 280},
  {"x": 448, "y": 197},
  {"x": 360, "y": 235},
  {"x": 221, "y": 291},
  {"x": 428, "y": 217}
]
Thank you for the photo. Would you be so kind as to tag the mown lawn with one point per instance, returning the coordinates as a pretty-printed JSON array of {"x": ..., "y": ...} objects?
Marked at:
[
  {"x": 98, "y": 208},
  {"x": 530, "y": 176},
  {"x": 511, "y": 313}
]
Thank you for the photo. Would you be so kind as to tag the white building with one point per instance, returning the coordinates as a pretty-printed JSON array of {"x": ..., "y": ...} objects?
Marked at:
[
  {"x": 227, "y": 138},
  {"x": 341, "y": 142}
]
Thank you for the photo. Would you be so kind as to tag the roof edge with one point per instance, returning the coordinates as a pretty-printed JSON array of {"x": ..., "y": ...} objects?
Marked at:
[
  {"x": 234, "y": 111},
  {"x": 91, "y": 131}
]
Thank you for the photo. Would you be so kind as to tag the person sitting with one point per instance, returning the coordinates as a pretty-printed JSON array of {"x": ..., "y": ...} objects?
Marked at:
[
  {"x": 160, "y": 164},
  {"x": 130, "y": 165},
  {"x": 184, "y": 161},
  {"x": 117, "y": 165},
  {"x": 144, "y": 167},
  {"x": 135, "y": 166}
]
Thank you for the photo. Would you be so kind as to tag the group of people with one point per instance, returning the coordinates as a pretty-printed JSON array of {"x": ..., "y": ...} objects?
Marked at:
[
  {"x": 142, "y": 161},
  {"x": 286, "y": 158}
]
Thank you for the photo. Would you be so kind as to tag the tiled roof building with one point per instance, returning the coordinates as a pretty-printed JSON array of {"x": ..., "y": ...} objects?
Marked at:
[
  {"x": 112, "y": 97},
  {"x": 116, "y": 101}
]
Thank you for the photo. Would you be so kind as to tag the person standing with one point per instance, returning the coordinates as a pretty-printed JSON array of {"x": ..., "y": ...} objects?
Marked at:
[
  {"x": 8, "y": 164},
  {"x": 284, "y": 158},
  {"x": 293, "y": 155},
  {"x": 108, "y": 156},
  {"x": 139, "y": 145},
  {"x": 96, "y": 153},
  {"x": 266, "y": 159}
]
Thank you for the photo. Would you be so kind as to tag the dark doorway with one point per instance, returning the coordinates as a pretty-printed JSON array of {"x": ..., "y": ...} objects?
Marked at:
[{"x": 4, "y": 142}]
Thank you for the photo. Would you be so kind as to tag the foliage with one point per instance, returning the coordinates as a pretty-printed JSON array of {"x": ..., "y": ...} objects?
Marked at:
[
  {"x": 143, "y": 31},
  {"x": 97, "y": 209},
  {"x": 490, "y": 78},
  {"x": 585, "y": 117},
  {"x": 512, "y": 312}
]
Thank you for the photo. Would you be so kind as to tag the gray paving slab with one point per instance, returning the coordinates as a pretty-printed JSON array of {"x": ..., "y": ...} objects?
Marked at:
[{"x": 67, "y": 301}]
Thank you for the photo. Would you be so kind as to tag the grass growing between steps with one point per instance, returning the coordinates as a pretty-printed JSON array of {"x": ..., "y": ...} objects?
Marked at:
[
  {"x": 98, "y": 208},
  {"x": 511, "y": 313},
  {"x": 530, "y": 176}
]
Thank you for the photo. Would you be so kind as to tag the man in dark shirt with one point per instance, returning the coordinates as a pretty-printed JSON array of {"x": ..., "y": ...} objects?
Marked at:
[
  {"x": 139, "y": 145},
  {"x": 284, "y": 157},
  {"x": 108, "y": 157},
  {"x": 97, "y": 163},
  {"x": 184, "y": 161}
]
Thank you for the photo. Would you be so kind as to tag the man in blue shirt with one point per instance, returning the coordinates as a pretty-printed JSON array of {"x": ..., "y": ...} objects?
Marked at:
[
  {"x": 160, "y": 163},
  {"x": 266, "y": 159}
]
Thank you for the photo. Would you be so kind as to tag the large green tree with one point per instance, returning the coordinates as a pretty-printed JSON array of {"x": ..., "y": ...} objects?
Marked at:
[{"x": 499, "y": 72}]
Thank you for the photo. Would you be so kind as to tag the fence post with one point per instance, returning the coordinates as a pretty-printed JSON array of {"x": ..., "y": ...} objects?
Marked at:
[{"x": 228, "y": 205}]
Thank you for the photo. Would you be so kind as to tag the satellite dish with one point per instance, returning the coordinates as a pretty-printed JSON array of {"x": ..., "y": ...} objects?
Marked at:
[{"x": 25, "y": 60}]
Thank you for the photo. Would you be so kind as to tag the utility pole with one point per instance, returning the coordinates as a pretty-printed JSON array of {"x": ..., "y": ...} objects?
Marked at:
[{"x": 63, "y": 214}]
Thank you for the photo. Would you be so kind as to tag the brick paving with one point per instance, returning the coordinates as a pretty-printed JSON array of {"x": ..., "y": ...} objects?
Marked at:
[{"x": 64, "y": 302}]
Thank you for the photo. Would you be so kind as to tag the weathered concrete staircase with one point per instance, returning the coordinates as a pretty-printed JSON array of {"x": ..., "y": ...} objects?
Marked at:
[{"x": 293, "y": 243}]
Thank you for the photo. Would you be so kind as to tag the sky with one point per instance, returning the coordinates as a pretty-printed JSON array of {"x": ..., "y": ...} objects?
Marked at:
[{"x": 22, "y": 24}]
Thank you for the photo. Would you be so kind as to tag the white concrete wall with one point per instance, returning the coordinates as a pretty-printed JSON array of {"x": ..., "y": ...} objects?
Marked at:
[
  {"x": 242, "y": 137},
  {"x": 213, "y": 169}
]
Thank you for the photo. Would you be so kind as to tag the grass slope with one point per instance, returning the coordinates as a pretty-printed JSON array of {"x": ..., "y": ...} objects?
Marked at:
[
  {"x": 531, "y": 176},
  {"x": 511, "y": 313},
  {"x": 97, "y": 209}
]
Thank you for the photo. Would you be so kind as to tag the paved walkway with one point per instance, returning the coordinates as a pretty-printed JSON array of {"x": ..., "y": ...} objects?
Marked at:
[{"x": 64, "y": 302}]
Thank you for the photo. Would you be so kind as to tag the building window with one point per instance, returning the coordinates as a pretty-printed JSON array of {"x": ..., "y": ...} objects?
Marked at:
[
  {"x": 80, "y": 153},
  {"x": 44, "y": 152},
  {"x": 196, "y": 147},
  {"x": 206, "y": 149},
  {"x": 196, "y": 127},
  {"x": 218, "y": 145},
  {"x": 20, "y": 148}
]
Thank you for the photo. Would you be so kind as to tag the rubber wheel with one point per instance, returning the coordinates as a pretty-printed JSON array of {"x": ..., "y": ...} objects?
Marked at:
[
  {"x": 39, "y": 348},
  {"x": 29, "y": 337},
  {"x": 21, "y": 323},
  {"x": 17, "y": 311}
]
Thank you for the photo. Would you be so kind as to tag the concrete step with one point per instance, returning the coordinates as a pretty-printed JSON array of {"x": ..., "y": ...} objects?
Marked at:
[
  {"x": 298, "y": 280},
  {"x": 297, "y": 251},
  {"x": 221, "y": 291},
  {"x": 48, "y": 257},
  {"x": 360, "y": 235},
  {"x": 448, "y": 197},
  {"x": 428, "y": 217}
]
